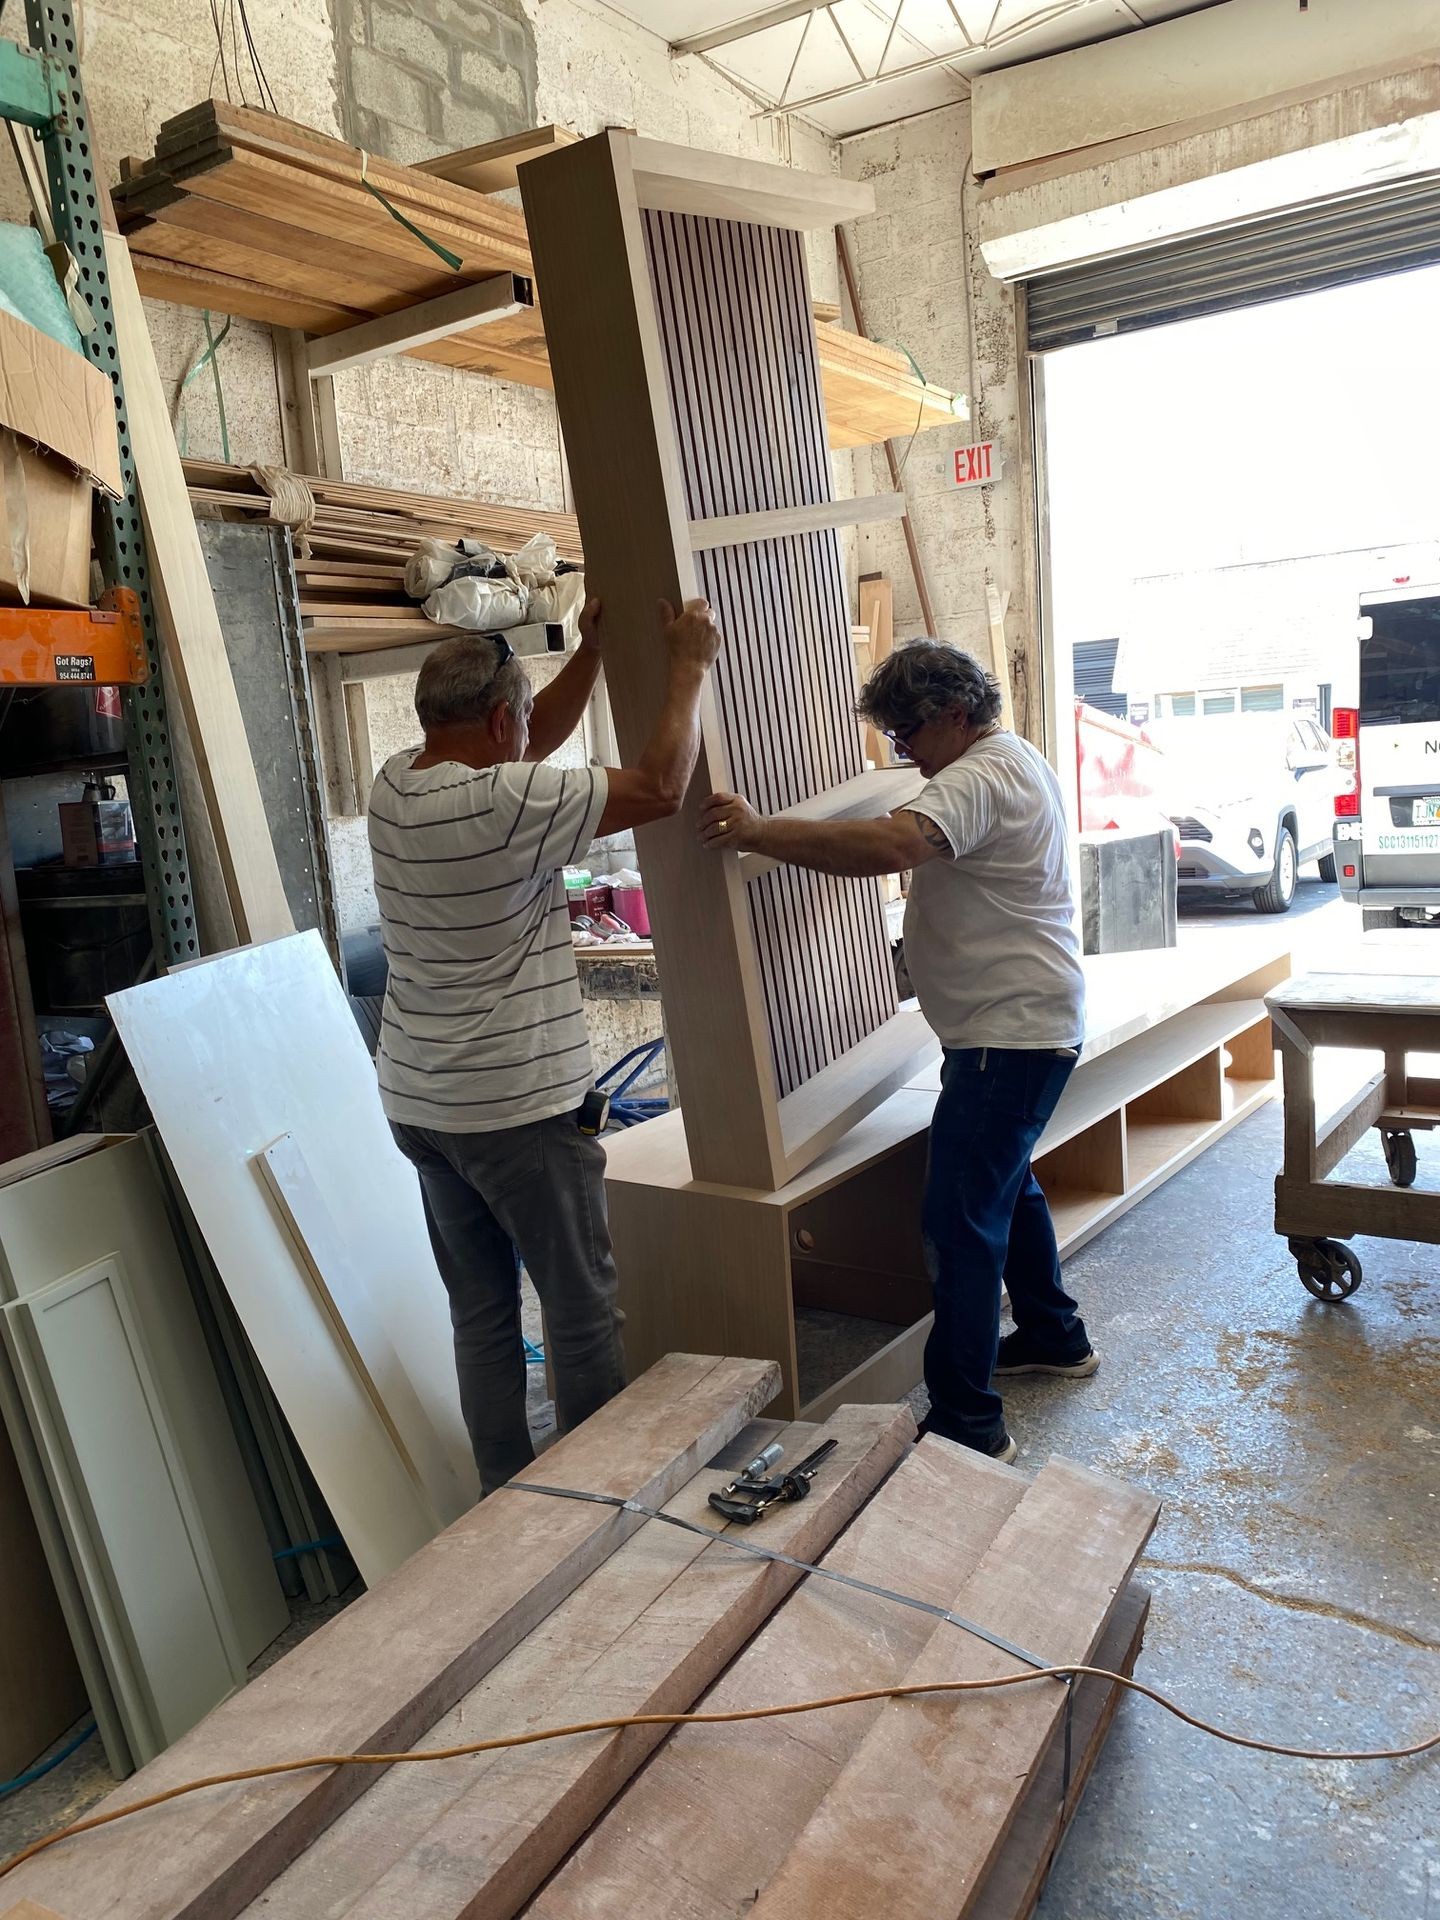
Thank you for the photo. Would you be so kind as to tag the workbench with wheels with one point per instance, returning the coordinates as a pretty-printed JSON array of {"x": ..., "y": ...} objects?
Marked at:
[{"x": 1395, "y": 1015}]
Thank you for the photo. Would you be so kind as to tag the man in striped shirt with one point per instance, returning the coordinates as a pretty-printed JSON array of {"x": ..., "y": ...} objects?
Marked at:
[{"x": 483, "y": 1054}]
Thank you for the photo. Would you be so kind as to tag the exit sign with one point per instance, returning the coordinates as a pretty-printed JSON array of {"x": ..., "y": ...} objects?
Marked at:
[{"x": 977, "y": 466}]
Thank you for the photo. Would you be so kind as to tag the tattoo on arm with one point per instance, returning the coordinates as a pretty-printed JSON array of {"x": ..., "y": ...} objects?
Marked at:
[{"x": 932, "y": 833}]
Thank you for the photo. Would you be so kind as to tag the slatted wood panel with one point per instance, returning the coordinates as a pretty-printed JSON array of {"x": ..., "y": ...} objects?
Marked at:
[{"x": 733, "y": 309}]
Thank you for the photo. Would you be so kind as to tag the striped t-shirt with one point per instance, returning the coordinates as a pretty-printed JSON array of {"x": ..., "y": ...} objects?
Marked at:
[{"x": 483, "y": 1025}]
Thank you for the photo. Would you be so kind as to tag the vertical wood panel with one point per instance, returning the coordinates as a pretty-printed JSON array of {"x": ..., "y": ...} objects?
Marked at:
[
  {"x": 625, "y": 449},
  {"x": 732, "y": 306}
]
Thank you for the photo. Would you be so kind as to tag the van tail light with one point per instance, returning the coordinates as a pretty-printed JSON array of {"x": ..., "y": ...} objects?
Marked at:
[{"x": 1345, "y": 732}]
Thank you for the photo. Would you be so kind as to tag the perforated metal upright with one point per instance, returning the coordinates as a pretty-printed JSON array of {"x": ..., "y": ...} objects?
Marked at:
[{"x": 41, "y": 87}]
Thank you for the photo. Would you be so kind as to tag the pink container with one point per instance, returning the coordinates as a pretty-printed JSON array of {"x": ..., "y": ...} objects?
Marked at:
[{"x": 630, "y": 907}]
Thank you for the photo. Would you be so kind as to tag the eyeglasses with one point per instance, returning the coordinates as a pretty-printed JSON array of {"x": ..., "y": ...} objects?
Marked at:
[{"x": 902, "y": 736}]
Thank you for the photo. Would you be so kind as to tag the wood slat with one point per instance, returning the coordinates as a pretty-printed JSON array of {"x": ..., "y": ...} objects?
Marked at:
[
  {"x": 381, "y": 1673},
  {"x": 646, "y": 1633},
  {"x": 197, "y": 666}
]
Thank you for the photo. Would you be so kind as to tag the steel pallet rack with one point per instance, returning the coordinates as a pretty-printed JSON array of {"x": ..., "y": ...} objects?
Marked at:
[{"x": 40, "y": 88}]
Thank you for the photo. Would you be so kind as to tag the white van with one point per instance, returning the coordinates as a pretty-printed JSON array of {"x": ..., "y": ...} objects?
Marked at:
[{"x": 1387, "y": 824}]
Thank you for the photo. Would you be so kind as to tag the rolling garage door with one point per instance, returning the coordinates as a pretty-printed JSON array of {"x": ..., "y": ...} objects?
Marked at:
[{"x": 1388, "y": 230}]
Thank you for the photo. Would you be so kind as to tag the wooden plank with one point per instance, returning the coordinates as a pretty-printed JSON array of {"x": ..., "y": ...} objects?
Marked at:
[
  {"x": 1345, "y": 1128},
  {"x": 877, "y": 617},
  {"x": 491, "y": 168},
  {"x": 322, "y": 1250},
  {"x": 713, "y": 1815},
  {"x": 417, "y": 326},
  {"x": 196, "y": 661},
  {"x": 1017, "y": 1879},
  {"x": 738, "y": 529},
  {"x": 646, "y": 1633},
  {"x": 381, "y": 1673},
  {"x": 1385, "y": 993},
  {"x": 915, "y": 1821}
]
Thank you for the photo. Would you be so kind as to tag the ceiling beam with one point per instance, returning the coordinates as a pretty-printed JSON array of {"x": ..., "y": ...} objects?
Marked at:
[{"x": 742, "y": 29}]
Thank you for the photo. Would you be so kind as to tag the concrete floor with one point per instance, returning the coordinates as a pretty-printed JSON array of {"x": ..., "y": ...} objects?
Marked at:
[{"x": 1295, "y": 1570}]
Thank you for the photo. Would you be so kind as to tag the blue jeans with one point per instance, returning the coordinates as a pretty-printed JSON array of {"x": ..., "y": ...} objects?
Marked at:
[{"x": 985, "y": 1220}]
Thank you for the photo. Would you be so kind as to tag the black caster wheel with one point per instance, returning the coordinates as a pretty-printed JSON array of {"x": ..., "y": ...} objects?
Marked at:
[
  {"x": 1400, "y": 1157},
  {"x": 1328, "y": 1269}
]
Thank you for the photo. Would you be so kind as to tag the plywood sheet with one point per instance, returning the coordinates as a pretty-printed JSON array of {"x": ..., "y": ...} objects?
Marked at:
[
  {"x": 268, "y": 1036},
  {"x": 150, "y": 1583}
]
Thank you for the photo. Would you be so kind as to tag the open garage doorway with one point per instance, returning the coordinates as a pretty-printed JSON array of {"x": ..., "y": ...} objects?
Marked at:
[{"x": 1222, "y": 492}]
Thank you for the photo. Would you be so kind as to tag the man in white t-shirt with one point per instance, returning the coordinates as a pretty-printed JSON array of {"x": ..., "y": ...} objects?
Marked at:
[
  {"x": 991, "y": 948},
  {"x": 483, "y": 1055}
]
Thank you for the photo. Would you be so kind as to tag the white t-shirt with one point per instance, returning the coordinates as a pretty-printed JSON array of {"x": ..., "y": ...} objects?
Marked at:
[
  {"x": 990, "y": 937},
  {"x": 483, "y": 1025}
]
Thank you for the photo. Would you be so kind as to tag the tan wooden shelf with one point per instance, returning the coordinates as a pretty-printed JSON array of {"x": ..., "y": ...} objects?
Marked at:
[{"x": 698, "y": 1261}]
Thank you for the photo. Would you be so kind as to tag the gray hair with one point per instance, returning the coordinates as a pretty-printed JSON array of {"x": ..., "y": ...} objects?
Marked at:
[
  {"x": 924, "y": 680},
  {"x": 462, "y": 681}
]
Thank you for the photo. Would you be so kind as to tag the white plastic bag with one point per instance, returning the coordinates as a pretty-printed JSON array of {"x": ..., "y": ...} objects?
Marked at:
[
  {"x": 485, "y": 606},
  {"x": 434, "y": 562}
]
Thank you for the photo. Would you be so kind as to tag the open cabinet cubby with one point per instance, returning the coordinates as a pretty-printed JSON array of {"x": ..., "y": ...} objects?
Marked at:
[{"x": 1176, "y": 1056}]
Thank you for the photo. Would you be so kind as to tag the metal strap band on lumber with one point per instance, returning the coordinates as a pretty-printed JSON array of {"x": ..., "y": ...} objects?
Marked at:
[{"x": 996, "y": 1640}]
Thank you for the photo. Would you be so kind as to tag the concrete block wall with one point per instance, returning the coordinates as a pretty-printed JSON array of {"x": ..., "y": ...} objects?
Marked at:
[{"x": 926, "y": 289}]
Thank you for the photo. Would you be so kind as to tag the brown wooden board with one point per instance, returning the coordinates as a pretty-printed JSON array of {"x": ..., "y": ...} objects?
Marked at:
[
  {"x": 647, "y": 1632},
  {"x": 914, "y": 1823},
  {"x": 245, "y": 212},
  {"x": 381, "y": 1673},
  {"x": 709, "y": 1821}
]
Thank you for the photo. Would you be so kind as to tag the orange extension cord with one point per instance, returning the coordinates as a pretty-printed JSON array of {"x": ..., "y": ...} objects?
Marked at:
[{"x": 901, "y": 1692}]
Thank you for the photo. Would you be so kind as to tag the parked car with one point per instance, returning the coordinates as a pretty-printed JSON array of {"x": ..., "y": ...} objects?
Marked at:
[
  {"x": 1387, "y": 813},
  {"x": 1252, "y": 797}
]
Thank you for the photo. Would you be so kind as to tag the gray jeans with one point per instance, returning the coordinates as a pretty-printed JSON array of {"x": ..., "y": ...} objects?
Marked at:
[{"x": 532, "y": 1193}]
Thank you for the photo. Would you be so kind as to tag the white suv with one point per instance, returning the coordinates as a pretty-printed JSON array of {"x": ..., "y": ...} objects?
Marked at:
[{"x": 1252, "y": 797}]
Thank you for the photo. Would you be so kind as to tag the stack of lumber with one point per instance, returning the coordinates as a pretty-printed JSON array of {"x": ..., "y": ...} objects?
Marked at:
[
  {"x": 244, "y": 212},
  {"x": 535, "y": 1612},
  {"x": 350, "y": 553}
]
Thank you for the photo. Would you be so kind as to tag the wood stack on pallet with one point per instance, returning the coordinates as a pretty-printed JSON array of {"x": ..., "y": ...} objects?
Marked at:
[
  {"x": 243, "y": 212},
  {"x": 534, "y": 1612},
  {"x": 350, "y": 553}
]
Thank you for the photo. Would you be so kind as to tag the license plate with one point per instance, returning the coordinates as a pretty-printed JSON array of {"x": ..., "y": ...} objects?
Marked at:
[{"x": 1426, "y": 812}]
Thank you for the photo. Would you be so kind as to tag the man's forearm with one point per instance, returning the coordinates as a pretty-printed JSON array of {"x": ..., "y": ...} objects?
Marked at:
[
  {"x": 559, "y": 707},
  {"x": 857, "y": 847},
  {"x": 674, "y": 744}
]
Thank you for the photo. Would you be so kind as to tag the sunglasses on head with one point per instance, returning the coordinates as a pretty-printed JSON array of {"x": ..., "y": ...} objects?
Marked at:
[{"x": 503, "y": 649}]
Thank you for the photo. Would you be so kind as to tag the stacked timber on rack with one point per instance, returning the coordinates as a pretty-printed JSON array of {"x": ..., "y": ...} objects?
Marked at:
[
  {"x": 244, "y": 212},
  {"x": 542, "y": 1612},
  {"x": 352, "y": 542}
]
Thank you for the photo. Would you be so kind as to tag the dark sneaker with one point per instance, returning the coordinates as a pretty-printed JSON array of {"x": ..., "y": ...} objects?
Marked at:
[
  {"x": 1018, "y": 1355},
  {"x": 1001, "y": 1447}
]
